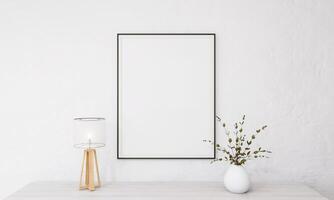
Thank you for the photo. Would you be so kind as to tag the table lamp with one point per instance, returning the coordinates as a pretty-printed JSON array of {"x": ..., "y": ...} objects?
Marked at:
[{"x": 89, "y": 134}]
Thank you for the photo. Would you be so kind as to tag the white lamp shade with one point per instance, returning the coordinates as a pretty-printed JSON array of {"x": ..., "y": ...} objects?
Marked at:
[{"x": 89, "y": 132}]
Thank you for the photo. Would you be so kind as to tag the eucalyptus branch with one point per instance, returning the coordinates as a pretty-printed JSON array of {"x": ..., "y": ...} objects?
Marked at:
[{"x": 239, "y": 148}]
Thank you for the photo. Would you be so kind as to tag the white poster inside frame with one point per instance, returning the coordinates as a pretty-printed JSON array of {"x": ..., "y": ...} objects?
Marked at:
[{"x": 166, "y": 96}]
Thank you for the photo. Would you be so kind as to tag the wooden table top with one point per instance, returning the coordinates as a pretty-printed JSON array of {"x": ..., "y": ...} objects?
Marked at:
[{"x": 163, "y": 191}]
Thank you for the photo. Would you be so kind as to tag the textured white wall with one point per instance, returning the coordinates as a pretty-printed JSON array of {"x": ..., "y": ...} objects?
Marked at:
[{"x": 58, "y": 61}]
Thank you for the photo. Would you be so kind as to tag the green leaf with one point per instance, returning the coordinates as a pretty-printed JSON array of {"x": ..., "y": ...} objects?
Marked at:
[
  {"x": 253, "y": 137},
  {"x": 263, "y": 127},
  {"x": 229, "y": 140},
  {"x": 258, "y": 131}
]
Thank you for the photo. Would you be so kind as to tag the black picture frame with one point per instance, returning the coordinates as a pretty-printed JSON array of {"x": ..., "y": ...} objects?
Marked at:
[{"x": 214, "y": 84}]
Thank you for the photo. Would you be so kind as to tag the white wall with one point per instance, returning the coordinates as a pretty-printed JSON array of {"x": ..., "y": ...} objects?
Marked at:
[{"x": 58, "y": 61}]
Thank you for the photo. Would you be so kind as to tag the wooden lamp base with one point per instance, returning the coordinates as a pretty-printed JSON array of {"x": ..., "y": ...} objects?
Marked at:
[{"x": 89, "y": 165}]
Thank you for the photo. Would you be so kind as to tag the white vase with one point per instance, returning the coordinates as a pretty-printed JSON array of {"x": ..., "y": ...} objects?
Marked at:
[{"x": 236, "y": 179}]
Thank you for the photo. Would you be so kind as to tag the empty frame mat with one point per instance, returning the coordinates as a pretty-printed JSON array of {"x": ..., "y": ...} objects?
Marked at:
[{"x": 166, "y": 95}]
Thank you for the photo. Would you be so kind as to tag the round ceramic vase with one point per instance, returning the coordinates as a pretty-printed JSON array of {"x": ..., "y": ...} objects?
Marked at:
[{"x": 236, "y": 179}]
